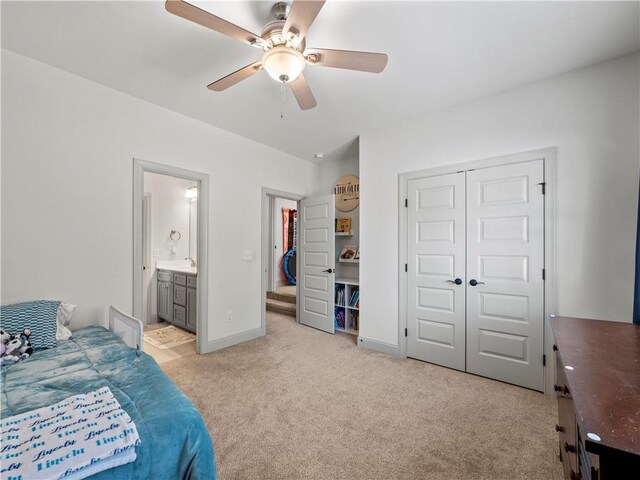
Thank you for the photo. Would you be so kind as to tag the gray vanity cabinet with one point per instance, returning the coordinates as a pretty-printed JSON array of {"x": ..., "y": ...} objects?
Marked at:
[
  {"x": 192, "y": 308},
  {"x": 180, "y": 295},
  {"x": 165, "y": 296},
  {"x": 177, "y": 299},
  {"x": 179, "y": 316}
]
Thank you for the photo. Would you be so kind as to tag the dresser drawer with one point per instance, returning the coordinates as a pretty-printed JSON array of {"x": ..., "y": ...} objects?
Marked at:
[
  {"x": 180, "y": 295},
  {"x": 179, "y": 279},
  {"x": 192, "y": 281},
  {"x": 179, "y": 315},
  {"x": 164, "y": 276},
  {"x": 567, "y": 426}
]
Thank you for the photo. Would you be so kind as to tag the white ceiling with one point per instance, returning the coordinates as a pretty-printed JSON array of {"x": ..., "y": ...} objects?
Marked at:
[{"x": 440, "y": 55}]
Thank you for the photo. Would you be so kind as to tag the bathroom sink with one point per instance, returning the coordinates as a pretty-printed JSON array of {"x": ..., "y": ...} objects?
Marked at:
[{"x": 191, "y": 270}]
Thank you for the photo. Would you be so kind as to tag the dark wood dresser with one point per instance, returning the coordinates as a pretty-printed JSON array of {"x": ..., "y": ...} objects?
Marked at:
[{"x": 598, "y": 390}]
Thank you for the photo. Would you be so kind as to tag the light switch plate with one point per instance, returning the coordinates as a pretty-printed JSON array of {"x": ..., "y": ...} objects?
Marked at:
[
  {"x": 156, "y": 253},
  {"x": 247, "y": 255}
]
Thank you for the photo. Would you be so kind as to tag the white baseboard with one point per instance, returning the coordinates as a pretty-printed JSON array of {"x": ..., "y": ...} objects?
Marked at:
[
  {"x": 378, "y": 346},
  {"x": 232, "y": 340}
]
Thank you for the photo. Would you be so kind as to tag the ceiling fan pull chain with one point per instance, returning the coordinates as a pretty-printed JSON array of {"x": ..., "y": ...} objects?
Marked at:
[{"x": 282, "y": 110}]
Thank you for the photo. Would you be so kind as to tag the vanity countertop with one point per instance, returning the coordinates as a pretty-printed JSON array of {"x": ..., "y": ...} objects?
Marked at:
[
  {"x": 176, "y": 266},
  {"x": 189, "y": 270}
]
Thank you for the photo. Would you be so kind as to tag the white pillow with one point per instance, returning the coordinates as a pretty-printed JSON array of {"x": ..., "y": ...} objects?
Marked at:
[
  {"x": 63, "y": 317},
  {"x": 62, "y": 333},
  {"x": 65, "y": 312}
]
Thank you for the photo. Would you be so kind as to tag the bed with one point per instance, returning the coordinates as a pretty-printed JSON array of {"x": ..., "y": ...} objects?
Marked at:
[{"x": 175, "y": 443}]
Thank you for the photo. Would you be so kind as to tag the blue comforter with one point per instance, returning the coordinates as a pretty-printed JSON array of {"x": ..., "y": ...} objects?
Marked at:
[{"x": 175, "y": 443}]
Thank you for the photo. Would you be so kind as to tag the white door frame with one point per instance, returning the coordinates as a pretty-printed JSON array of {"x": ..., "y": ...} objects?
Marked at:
[
  {"x": 146, "y": 257},
  {"x": 549, "y": 156},
  {"x": 272, "y": 282},
  {"x": 267, "y": 229},
  {"x": 139, "y": 169}
]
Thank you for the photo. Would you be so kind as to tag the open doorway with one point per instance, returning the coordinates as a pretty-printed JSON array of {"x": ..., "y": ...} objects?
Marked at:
[
  {"x": 283, "y": 243},
  {"x": 323, "y": 300},
  {"x": 170, "y": 267},
  {"x": 279, "y": 253}
]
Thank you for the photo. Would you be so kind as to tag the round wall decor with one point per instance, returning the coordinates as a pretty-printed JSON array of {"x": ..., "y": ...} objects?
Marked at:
[{"x": 347, "y": 192}]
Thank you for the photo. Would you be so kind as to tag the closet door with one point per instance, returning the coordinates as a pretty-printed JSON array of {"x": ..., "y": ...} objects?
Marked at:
[
  {"x": 505, "y": 258},
  {"x": 436, "y": 263},
  {"x": 316, "y": 262}
]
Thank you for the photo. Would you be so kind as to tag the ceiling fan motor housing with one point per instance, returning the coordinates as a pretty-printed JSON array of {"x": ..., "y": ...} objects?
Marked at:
[
  {"x": 272, "y": 36},
  {"x": 280, "y": 10}
]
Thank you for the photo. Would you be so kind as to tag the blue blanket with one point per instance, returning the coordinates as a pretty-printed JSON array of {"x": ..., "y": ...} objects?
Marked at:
[{"x": 175, "y": 443}]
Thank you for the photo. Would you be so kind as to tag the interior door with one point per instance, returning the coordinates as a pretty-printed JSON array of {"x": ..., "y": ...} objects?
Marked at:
[
  {"x": 316, "y": 262},
  {"x": 436, "y": 270},
  {"x": 505, "y": 286}
]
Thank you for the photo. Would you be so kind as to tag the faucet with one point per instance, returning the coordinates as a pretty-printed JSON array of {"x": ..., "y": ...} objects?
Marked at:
[{"x": 193, "y": 262}]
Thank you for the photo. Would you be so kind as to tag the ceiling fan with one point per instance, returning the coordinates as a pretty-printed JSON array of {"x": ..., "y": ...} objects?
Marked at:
[{"x": 283, "y": 45}]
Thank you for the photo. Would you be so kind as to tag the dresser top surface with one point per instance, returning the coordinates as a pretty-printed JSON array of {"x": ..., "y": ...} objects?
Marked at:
[{"x": 602, "y": 365}]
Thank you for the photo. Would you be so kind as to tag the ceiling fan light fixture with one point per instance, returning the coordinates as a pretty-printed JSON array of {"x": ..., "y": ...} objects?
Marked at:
[
  {"x": 283, "y": 42},
  {"x": 283, "y": 64}
]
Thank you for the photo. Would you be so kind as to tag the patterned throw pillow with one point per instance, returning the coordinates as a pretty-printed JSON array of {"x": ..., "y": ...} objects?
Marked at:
[{"x": 39, "y": 316}]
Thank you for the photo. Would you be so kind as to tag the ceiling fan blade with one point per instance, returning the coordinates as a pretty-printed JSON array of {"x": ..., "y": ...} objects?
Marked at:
[
  {"x": 235, "y": 77},
  {"x": 302, "y": 92},
  {"x": 209, "y": 20},
  {"x": 301, "y": 16},
  {"x": 362, "y": 61}
]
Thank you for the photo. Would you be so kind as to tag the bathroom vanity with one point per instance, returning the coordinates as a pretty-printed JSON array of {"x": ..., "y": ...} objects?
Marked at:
[{"x": 177, "y": 296}]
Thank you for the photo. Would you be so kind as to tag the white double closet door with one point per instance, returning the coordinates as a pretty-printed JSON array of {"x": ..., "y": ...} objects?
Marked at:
[{"x": 475, "y": 272}]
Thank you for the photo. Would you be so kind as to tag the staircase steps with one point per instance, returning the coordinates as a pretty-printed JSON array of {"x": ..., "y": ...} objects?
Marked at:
[
  {"x": 282, "y": 297},
  {"x": 278, "y": 306}
]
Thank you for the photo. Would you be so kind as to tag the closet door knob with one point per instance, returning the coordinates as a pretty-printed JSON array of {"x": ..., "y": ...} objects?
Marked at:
[
  {"x": 457, "y": 281},
  {"x": 473, "y": 282},
  {"x": 328, "y": 270}
]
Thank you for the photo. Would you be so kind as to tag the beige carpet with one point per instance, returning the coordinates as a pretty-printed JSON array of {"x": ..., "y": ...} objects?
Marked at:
[{"x": 303, "y": 404}]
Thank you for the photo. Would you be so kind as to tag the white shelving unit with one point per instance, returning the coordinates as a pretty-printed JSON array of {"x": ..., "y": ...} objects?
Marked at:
[
  {"x": 350, "y": 313},
  {"x": 346, "y": 317},
  {"x": 341, "y": 260},
  {"x": 340, "y": 244}
]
